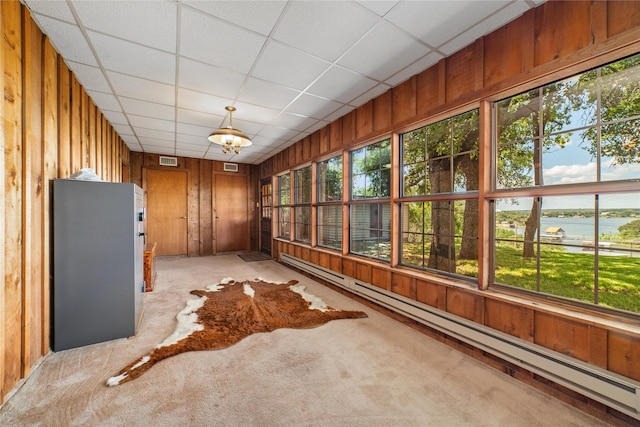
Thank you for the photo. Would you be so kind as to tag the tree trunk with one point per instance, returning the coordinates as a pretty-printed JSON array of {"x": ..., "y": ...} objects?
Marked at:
[{"x": 469, "y": 245}]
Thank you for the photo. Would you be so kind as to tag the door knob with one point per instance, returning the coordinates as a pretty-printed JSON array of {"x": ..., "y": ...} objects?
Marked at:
[{"x": 183, "y": 217}]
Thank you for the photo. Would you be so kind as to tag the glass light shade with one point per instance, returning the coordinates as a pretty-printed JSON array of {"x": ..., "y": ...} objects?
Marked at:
[{"x": 229, "y": 136}]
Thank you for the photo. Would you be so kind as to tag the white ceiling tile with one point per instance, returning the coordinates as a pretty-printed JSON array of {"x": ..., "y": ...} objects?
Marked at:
[
  {"x": 384, "y": 41},
  {"x": 498, "y": 19},
  {"x": 90, "y": 77},
  {"x": 367, "y": 96},
  {"x": 151, "y": 23},
  {"x": 132, "y": 142},
  {"x": 200, "y": 118},
  {"x": 202, "y": 132},
  {"x": 148, "y": 109},
  {"x": 152, "y": 142},
  {"x": 313, "y": 106},
  {"x": 134, "y": 59},
  {"x": 193, "y": 153},
  {"x": 115, "y": 117},
  {"x": 346, "y": 109},
  {"x": 292, "y": 121},
  {"x": 165, "y": 151},
  {"x": 151, "y": 123},
  {"x": 106, "y": 101},
  {"x": 277, "y": 65},
  {"x": 68, "y": 41},
  {"x": 278, "y": 132},
  {"x": 154, "y": 134},
  {"x": 209, "y": 79},
  {"x": 268, "y": 94},
  {"x": 134, "y": 87},
  {"x": 341, "y": 85},
  {"x": 252, "y": 113},
  {"x": 199, "y": 101},
  {"x": 436, "y": 22},
  {"x": 380, "y": 7},
  {"x": 340, "y": 23},
  {"x": 218, "y": 43},
  {"x": 53, "y": 9},
  {"x": 192, "y": 139},
  {"x": 122, "y": 129},
  {"x": 258, "y": 16},
  {"x": 417, "y": 67}
]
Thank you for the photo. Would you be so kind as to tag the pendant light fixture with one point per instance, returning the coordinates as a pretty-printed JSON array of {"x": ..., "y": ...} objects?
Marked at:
[{"x": 229, "y": 138}]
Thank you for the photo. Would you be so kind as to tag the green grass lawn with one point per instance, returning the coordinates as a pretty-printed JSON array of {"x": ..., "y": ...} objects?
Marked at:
[
  {"x": 571, "y": 275},
  {"x": 565, "y": 274}
]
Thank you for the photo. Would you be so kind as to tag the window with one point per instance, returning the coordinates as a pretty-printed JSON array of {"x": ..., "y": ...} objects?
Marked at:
[
  {"x": 329, "y": 210},
  {"x": 370, "y": 222},
  {"x": 571, "y": 149},
  {"x": 302, "y": 191},
  {"x": 284, "y": 206},
  {"x": 440, "y": 173}
]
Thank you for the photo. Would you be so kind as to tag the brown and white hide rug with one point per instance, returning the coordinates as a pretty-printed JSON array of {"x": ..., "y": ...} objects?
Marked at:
[{"x": 230, "y": 311}]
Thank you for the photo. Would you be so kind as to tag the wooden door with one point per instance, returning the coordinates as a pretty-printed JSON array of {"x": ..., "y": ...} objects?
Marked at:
[
  {"x": 231, "y": 213},
  {"x": 167, "y": 211},
  {"x": 265, "y": 216}
]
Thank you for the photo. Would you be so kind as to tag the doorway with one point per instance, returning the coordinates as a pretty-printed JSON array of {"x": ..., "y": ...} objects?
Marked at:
[
  {"x": 167, "y": 211},
  {"x": 265, "y": 216},
  {"x": 231, "y": 213}
]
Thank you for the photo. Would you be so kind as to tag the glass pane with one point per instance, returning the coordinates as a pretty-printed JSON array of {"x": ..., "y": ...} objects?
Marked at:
[
  {"x": 467, "y": 173},
  {"x": 440, "y": 179},
  {"x": 515, "y": 165},
  {"x": 370, "y": 229},
  {"x": 619, "y": 251},
  {"x": 621, "y": 89},
  {"x": 303, "y": 224},
  {"x": 415, "y": 180},
  {"x": 518, "y": 117},
  {"x": 565, "y": 161},
  {"x": 416, "y": 225},
  {"x": 413, "y": 144},
  {"x": 466, "y": 237},
  {"x": 466, "y": 132},
  {"x": 330, "y": 180},
  {"x": 284, "y": 189},
  {"x": 303, "y": 185},
  {"x": 371, "y": 171},
  {"x": 620, "y": 151},
  {"x": 442, "y": 250},
  {"x": 570, "y": 104},
  {"x": 284, "y": 222},
  {"x": 330, "y": 226}
]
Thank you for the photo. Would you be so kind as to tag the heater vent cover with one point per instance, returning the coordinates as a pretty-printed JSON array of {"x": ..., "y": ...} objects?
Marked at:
[
  {"x": 168, "y": 161},
  {"x": 231, "y": 167}
]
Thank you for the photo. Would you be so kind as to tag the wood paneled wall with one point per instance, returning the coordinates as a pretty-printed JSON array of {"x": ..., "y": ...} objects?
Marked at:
[
  {"x": 200, "y": 173},
  {"x": 50, "y": 129},
  {"x": 541, "y": 46}
]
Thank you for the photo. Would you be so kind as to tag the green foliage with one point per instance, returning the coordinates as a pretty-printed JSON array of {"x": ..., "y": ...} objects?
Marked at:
[{"x": 630, "y": 230}]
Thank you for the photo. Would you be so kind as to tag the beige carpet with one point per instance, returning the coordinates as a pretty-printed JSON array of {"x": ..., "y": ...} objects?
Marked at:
[{"x": 362, "y": 372}]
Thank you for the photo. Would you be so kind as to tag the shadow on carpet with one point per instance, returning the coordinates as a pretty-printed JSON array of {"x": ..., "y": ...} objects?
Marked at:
[{"x": 255, "y": 256}]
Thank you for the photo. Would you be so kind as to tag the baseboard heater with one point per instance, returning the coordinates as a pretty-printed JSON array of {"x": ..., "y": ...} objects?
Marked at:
[{"x": 608, "y": 388}]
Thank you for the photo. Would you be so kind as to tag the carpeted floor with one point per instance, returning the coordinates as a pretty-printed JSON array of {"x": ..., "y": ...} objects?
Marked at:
[{"x": 361, "y": 372}]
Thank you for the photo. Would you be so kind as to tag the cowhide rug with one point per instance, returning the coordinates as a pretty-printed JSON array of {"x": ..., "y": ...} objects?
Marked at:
[{"x": 230, "y": 311}]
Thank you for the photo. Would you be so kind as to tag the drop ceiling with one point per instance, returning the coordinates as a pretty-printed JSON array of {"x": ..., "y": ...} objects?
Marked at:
[{"x": 162, "y": 72}]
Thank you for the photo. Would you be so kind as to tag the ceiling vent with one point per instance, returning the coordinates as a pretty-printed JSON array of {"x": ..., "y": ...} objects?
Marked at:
[
  {"x": 231, "y": 167},
  {"x": 168, "y": 161}
]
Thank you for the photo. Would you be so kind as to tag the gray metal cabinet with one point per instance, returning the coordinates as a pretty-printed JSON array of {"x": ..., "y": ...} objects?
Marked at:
[{"x": 98, "y": 245}]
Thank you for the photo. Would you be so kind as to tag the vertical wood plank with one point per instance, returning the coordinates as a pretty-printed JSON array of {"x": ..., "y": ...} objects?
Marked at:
[
  {"x": 555, "y": 35},
  {"x": 85, "y": 142},
  {"x": 622, "y": 16},
  {"x": 98, "y": 146},
  {"x": 364, "y": 120},
  {"x": 193, "y": 206},
  {"x": 92, "y": 140},
  {"x": 50, "y": 134},
  {"x": 64, "y": 119},
  {"x": 32, "y": 193},
  {"x": 3, "y": 211},
  {"x": 404, "y": 101},
  {"x": 76, "y": 125},
  {"x": 383, "y": 111},
  {"x": 206, "y": 205},
  {"x": 12, "y": 301}
]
